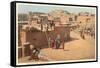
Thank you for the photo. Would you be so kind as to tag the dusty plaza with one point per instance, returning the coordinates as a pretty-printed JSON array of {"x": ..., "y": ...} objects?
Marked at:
[{"x": 57, "y": 35}]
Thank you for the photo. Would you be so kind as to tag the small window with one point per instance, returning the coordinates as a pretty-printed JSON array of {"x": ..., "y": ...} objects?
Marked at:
[
  {"x": 75, "y": 18},
  {"x": 70, "y": 19}
]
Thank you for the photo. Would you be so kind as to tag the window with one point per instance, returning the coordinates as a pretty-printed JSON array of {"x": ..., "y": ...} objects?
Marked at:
[
  {"x": 75, "y": 18},
  {"x": 70, "y": 19}
]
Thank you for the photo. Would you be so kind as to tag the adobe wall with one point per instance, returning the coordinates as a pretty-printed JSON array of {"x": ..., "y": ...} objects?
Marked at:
[{"x": 39, "y": 38}]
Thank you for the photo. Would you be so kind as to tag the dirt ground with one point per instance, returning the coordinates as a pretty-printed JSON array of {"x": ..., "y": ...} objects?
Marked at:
[{"x": 76, "y": 49}]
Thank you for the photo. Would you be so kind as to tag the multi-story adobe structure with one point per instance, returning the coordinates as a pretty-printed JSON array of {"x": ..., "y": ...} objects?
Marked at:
[{"x": 31, "y": 33}]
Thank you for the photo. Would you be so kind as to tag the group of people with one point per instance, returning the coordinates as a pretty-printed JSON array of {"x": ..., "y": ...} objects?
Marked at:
[
  {"x": 48, "y": 25},
  {"x": 57, "y": 43},
  {"x": 84, "y": 32},
  {"x": 53, "y": 43}
]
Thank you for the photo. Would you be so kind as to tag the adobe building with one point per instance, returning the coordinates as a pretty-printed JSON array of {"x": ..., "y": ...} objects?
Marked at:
[
  {"x": 39, "y": 38},
  {"x": 86, "y": 20},
  {"x": 31, "y": 32}
]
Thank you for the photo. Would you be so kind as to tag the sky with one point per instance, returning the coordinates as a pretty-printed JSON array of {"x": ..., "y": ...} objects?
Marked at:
[{"x": 25, "y": 8}]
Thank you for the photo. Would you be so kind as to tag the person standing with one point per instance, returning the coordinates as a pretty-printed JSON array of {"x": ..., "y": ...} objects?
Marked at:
[
  {"x": 41, "y": 26},
  {"x": 52, "y": 43},
  {"x": 63, "y": 45},
  {"x": 58, "y": 41},
  {"x": 65, "y": 37},
  {"x": 63, "y": 41},
  {"x": 82, "y": 34},
  {"x": 49, "y": 42}
]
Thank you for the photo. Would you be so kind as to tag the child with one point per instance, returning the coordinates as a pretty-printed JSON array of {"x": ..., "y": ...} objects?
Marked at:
[{"x": 34, "y": 53}]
